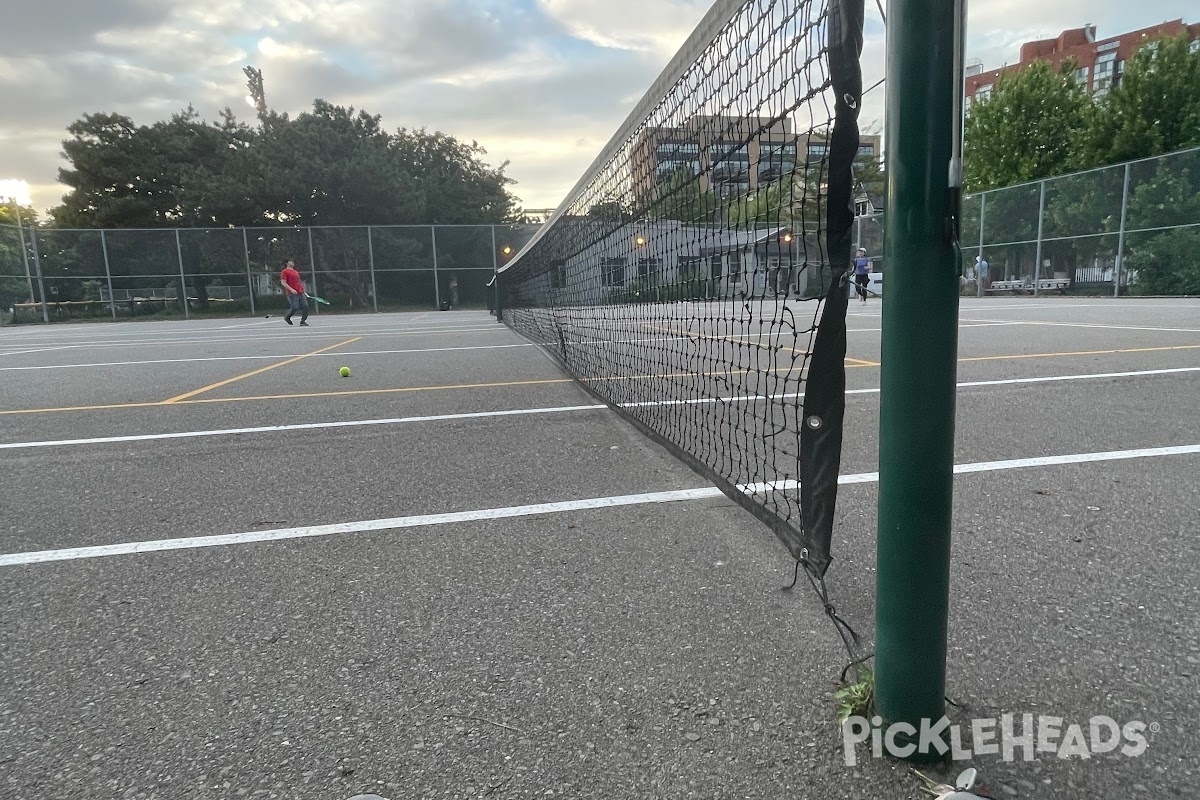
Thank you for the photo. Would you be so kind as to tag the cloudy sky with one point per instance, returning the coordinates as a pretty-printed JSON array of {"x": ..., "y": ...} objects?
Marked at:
[{"x": 539, "y": 83}]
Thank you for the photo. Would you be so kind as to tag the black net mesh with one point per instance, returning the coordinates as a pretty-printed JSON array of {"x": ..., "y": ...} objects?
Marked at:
[{"x": 695, "y": 278}]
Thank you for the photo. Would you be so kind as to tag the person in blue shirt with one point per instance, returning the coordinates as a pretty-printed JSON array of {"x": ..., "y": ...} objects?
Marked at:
[{"x": 862, "y": 273}]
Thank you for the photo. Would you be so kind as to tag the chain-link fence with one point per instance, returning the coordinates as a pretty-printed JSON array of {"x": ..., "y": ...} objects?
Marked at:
[
  {"x": 1131, "y": 228},
  {"x": 49, "y": 274}
]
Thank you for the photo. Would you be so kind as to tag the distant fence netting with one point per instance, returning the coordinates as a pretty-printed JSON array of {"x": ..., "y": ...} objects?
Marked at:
[
  {"x": 695, "y": 278},
  {"x": 1127, "y": 228},
  {"x": 58, "y": 273}
]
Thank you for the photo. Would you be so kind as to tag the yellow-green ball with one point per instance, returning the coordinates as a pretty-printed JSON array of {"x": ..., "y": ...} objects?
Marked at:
[{"x": 344, "y": 372}]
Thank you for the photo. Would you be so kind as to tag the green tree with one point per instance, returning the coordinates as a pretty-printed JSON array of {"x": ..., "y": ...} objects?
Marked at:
[
  {"x": 161, "y": 175},
  {"x": 1032, "y": 126},
  {"x": 680, "y": 197},
  {"x": 1168, "y": 263},
  {"x": 1154, "y": 109}
]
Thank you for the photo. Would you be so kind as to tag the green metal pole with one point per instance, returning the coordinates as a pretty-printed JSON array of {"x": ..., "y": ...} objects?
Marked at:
[{"x": 920, "y": 343}]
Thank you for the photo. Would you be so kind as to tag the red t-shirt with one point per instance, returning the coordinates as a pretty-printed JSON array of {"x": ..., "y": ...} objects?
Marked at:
[{"x": 292, "y": 279}]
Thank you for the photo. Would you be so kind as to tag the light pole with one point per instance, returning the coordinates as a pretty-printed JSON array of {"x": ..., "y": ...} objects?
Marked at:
[{"x": 257, "y": 97}]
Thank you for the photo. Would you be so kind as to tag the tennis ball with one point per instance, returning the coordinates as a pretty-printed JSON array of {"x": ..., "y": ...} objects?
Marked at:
[{"x": 344, "y": 372}]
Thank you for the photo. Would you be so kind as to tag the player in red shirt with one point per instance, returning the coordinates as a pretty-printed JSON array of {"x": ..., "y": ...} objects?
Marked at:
[{"x": 293, "y": 289}]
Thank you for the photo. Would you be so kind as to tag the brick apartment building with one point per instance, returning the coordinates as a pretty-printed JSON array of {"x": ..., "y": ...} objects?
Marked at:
[
  {"x": 1099, "y": 64},
  {"x": 730, "y": 155}
]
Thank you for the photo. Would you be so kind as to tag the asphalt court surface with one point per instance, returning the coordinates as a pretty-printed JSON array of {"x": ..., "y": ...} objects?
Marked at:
[{"x": 636, "y": 650}]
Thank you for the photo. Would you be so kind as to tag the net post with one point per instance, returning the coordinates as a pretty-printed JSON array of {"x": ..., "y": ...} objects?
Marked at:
[
  {"x": 112, "y": 298},
  {"x": 920, "y": 335},
  {"x": 1117, "y": 266},
  {"x": 1037, "y": 259}
]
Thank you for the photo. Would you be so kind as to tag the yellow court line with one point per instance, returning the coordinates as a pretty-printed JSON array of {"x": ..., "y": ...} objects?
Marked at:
[
  {"x": 1081, "y": 353},
  {"x": 408, "y": 389},
  {"x": 861, "y": 362},
  {"x": 253, "y": 372}
]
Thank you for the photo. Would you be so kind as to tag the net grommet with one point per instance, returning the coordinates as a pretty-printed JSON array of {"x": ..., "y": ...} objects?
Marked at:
[{"x": 813, "y": 422}]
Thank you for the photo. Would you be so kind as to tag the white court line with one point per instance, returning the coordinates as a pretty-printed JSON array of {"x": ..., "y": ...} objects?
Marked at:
[
  {"x": 154, "y": 328},
  {"x": 750, "y": 398},
  {"x": 339, "y": 354},
  {"x": 546, "y": 410},
  {"x": 267, "y": 358},
  {"x": 248, "y": 325},
  {"x": 1109, "y": 327},
  {"x": 39, "y": 350},
  {"x": 314, "y": 333},
  {"x": 307, "y": 426},
  {"x": 989, "y": 466},
  {"x": 425, "y": 520}
]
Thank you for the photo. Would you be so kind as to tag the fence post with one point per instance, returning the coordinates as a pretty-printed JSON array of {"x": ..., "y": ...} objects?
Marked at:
[
  {"x": 182, "y": 278},
  {"x": 1037, "y": 259},
  {"x": 24, "y": 254},
  {"x": 371, "y": 263},
  {"x": 249, "y": 274},
  {"x": 437, "y": 291},
  {"x": 37, "y": 268},
  {"x": 312, "y": 263},
  {"x": 978, "y": 276},
  {"x": 112, "y": 298},
  {"x": 1121, "y": 236},
  {"x": 495, "y": 276}
]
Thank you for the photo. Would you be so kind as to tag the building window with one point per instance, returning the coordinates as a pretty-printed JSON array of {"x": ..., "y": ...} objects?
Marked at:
[
  {"x": 1194, "y": 47},
  {"x": 612, "y": 271},
  {"x": 679, "y": 150},
  {"x": 1082, "y": 75},
  {"x": 735, "y": 267},
  {"x": 666, "y": 169},
  {"x": 867, "y": 150},
  {"x": 714, "y": 268},
  {"x": 983, "y": 92},
  {"x": 689, "y": 268},
  {"x": 648, "y": 268},
  {"x": 817, "y": 152},
  {"x": 1104, "y": 73}
]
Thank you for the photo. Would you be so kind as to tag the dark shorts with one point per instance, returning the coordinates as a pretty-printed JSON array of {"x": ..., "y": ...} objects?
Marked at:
[
  {"x": 863, "y": 279},
  {"x": 297, "y": 302}
]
